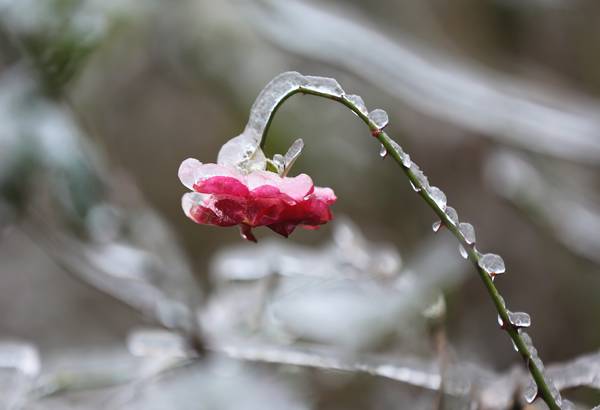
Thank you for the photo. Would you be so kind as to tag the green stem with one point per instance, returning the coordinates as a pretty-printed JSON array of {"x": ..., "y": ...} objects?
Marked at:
[{"x": 473, "y": 254}]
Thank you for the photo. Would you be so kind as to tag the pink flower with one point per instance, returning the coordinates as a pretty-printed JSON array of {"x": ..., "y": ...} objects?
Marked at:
[{"x": 224, "y": 196}]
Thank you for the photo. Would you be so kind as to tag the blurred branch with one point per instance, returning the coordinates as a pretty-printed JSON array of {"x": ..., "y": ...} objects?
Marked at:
[
  {"x": 507, "y": 109},
  {"x": 569, "y": 217}
]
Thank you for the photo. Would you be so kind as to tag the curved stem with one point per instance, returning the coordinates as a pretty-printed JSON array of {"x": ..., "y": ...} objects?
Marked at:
[{"x": 473, "y": 255}]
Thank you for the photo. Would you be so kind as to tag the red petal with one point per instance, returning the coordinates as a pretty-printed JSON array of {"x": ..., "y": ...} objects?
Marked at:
[{"x": 222, "y": 186}]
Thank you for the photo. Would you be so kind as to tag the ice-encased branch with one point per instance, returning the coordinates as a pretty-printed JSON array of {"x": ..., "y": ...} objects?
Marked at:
[{"x": 488, "y": 265}]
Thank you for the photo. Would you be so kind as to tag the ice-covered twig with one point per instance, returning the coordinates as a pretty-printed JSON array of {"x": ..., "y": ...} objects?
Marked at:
[{"x": 488, "y": 265}]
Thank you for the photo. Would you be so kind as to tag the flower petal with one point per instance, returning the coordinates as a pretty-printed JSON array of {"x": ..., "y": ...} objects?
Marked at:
[
  {"x": 296, "y": 187},
  {"x": 222, "y": 185},
  {"x": 187, "y": 172}
]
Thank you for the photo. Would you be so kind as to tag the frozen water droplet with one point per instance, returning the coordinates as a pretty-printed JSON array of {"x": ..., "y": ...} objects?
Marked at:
[
  {"x": 325, "y": 85},
  {"x": 463, "y": 252},
  {"x": 452, "y": 215},
  {"x": 383, "y": 151},
  {"x": 492, "y": 264},
  {"x": 468, "y": 232},
  {"x": 531, "y": 391},
  {"x": 379, "y": 117},
  {"x": 436, "y": 226},
  {"x": 500, "y": 321},
  {"x": 514, "y": 345},
  {"x": 414, "y": 187},
  {"x": 519, "y": 319},
  {"x": 293, "y": 153},
  {"x": 358, "y": 102},
  {"x": 438, "y": 197}
]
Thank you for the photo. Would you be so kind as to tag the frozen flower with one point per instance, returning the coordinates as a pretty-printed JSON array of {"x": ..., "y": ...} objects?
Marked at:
[{"x": 225, "y": 195}]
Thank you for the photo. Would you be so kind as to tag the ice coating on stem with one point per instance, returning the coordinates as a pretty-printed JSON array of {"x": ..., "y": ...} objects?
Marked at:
[
  {"x": 358, "y": 103},
  {"x": 379, "y": 117},
  {"x": 244, "y": 150},
  {"x": 531, "y": 391},
  {"x": 420, "y": 176},
  {"x": 492, "y": 264},
  {"x": 519, "y": 319},
  {"x": 438, "y": 197},
  {"x": 468, "y": 232},
  {"x": 452, "y": 215},
  {"x": 324, "y": 85}
]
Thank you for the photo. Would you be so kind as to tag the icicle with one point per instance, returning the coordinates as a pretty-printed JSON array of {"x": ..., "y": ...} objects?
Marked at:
[
  {"x": 463, "y": 252},
  {"x": 383, "y": 151},
  {"x": 436, "y": 226}
]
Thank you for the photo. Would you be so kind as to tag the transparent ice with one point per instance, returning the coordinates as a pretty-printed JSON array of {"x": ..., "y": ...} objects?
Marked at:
[
  {"x": 452, "y": 215},
  {"x": 379, "y": 117},
  {"x": 492, "y": 264},
  {"x": 383, "y": 151},
  {"x": 463, "y": 252},
  {"x": 519, "y": 319},
  {"x": 358, "y": 102},
  {"x": 438, "y": 197},
  {"x": 468, "y": 232}
]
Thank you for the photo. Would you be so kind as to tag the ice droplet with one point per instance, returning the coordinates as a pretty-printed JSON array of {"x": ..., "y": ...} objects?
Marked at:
[
  {"x": 324, "y": 85},
  {"x": 436, "y": 226},
  {"x": 463, "y": 252},
  {"x": 379, "y": 117},
  {"x": 468, "y": 232},
  {"x": 383, "y": 151},
  {"x": 514, "y": 345},
  {"x": 438, "y": 197},
  {"x": 452, "y": 215},
  {"x": 358, "y": 102},
  {"x": 492, "y": 264},
  {"x": 293, "y": 153},
  {"x": 500, "y": 321},
  {"x": 519, "y": 319},
  {"x": 531, "y": 391}
]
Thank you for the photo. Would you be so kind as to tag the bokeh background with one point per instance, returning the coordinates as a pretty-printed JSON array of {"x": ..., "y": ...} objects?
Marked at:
[{"x": 100, "y": 101}]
